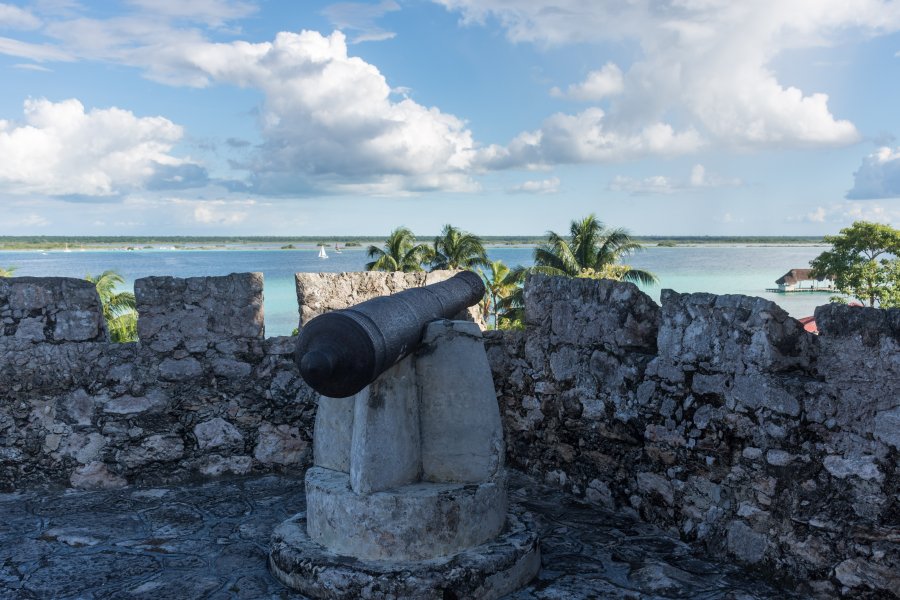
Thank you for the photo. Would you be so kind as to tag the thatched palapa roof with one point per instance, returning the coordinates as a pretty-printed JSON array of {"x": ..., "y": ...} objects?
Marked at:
[{"x": 795, "y": 276}]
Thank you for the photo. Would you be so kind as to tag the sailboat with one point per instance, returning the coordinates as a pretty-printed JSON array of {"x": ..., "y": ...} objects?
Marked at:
[
  {"x": 337, "y": 248},
  {"x": 322, "y": 252}
]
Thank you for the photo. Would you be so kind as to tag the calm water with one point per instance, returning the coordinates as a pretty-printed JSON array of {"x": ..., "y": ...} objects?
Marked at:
[{"x": 717, "y": 269}]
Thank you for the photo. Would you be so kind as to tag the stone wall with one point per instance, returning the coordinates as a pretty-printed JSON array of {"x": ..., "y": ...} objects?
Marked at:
[
  {"x": 719, "y": 418},
  {"x": 716, "y": 417},
  {"x": 203, "y": 393}
]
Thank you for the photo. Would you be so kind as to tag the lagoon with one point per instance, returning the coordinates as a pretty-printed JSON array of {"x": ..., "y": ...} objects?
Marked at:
[{"x": 719, "y": 269}]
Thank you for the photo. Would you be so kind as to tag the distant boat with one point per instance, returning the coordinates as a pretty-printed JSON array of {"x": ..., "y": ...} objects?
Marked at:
[
  {"x": 67, "y": 249},
  {"x": 337, "y": 248},
  {"x": 322, "y": 252}
]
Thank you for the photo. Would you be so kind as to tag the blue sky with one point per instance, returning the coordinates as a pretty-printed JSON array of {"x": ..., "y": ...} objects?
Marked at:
[{"x": 504, "y": 117}]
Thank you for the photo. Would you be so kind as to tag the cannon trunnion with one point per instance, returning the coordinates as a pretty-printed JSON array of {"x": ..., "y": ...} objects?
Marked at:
[{"x": 341, "y": 352}]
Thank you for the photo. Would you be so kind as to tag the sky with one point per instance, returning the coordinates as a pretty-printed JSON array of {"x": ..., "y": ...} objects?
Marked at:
[{"x": 502, "y": 117}]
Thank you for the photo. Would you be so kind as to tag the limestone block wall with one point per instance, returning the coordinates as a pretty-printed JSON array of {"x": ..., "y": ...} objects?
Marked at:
[
  {"x": 718, "y": 418},
  {"x": 203, "y": 393}
]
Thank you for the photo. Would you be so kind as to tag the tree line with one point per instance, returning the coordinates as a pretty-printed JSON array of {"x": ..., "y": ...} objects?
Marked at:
[{"x": 591, "y": 250}]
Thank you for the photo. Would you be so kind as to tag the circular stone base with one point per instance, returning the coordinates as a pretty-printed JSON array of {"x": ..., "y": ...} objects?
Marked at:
[
  {"x": 419, "y": 521},
  {"x": 487, "y": 571}
]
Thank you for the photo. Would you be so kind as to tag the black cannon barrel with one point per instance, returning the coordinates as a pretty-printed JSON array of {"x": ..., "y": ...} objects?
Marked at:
[{"x": 341, "y": 352}]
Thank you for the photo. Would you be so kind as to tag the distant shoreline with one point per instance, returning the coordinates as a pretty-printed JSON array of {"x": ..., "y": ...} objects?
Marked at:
[{"x": 75, "y": 243}]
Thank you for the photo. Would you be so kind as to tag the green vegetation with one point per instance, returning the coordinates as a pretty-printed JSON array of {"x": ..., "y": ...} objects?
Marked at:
[
  {"x": 455, "y": 249},
  {"x": 503, "y": 299},
  {"x": 119, "y": 308},
  {"x": 667, "y": 244},
  {"x": 592, "y": 251},
  {"x": 7, "y": 272},
  {"x": 864, "y": 262},
  {"x": 400, "y": 253},
  {"x": 289, "y": 247},
  {"x": 352, "y": 245}
]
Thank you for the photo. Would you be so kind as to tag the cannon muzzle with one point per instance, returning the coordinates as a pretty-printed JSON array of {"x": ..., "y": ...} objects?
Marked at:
[{"x": 341, "y": 352}]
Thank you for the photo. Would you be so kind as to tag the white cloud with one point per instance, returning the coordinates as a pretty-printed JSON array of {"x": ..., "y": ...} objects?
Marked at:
[
  {"x": 61, "y": 149},
  {"x": 585, "y": 138},
  {"x": 706, "y": 61},
  {"x": 328, "y": 119},
  {"x": 596, "y": 86},
  {"x": 212, "y": 213},
  {"x": 537, "y": 186},
  {"x": 844, "y": 213},
  {"x": 32, "y": 67},
  {"x": 878, "y": 176},
  {"x": 36, "y": 52},
  {"x": 659, "y": 184},
  {"x": 656, "y": 184},
  {"x": 214, "y": 13},
  {"x": 361, "y": 18},
  {"x": 13, "y": 224},
  {"x": 13, "y": 17}
]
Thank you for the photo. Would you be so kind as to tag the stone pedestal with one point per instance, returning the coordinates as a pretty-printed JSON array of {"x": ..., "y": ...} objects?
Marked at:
[{"x": 407, "y": 498}]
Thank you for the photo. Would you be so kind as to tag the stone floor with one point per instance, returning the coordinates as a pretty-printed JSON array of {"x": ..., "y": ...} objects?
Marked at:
[{"x": 210, "y": 541}]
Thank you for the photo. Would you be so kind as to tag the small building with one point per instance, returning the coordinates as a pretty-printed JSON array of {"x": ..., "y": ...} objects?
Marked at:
[{"x": 801, "y": 280}]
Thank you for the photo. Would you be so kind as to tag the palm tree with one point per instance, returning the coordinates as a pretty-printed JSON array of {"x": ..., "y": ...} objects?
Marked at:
[
  {"x": 503, "y": 294},
  {"x": 400, "y": 253},
  {"x": 591, "y": 251},
  {"x": 7, "y": 272},
  {"x": 455, "y": 249},
  {"x": 119, "y": 308}
]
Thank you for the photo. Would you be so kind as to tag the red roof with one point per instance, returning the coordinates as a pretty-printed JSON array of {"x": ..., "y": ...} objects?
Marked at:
[{"x": 809, "y": 324}]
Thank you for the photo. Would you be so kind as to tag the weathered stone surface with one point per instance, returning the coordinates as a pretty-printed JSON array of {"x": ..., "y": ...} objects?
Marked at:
[
  {"x": 734, "y": 411},
  {"x": 420, "y": 521},
  {"x": 95, "y": 475},
  {"x": 384, "y": 448},
  {"x": 587, "y": 410},
  {"x": 318, "y": 293},
  {"x": 487, "y": 571},
  {"x": 281, "y": 445},
  {"x": 586, "y": 553},
  {"x": 216, "y": 465},
  {"x": 462, "y": 437},
  {"x": 217, "y": 432},
  {"x": 197, "y": 312},
  {"x": 333, "y": 433},
  {"x": 129, "y": 405},
  {"x": 153, "y": 448},
  {"x": 65, "y": 403}
]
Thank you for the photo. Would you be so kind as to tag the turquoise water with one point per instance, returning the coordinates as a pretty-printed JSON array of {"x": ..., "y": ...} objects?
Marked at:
[{"x": 717, "y": 269}]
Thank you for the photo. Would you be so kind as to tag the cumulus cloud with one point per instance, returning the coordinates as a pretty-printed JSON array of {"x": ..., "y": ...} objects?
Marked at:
[
  {"x": 878, "y": 176},
  {"x": 60, "y": 149},
  {"x": 708, "y": 62},
  {"x": 585, "y": 138},
  {"x": 328, "y": 119},
  {"x": 596, "y": 86},
  {"x": 537, "y": 186},
  {"x": 660, "y": 184}
]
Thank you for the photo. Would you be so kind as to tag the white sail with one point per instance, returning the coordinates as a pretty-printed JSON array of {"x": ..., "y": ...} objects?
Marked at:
[{"x": 322, "y": 252}]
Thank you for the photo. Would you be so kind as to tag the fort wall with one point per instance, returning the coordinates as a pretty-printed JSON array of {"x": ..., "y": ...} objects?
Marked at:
[{"x": 716, "y": 417}]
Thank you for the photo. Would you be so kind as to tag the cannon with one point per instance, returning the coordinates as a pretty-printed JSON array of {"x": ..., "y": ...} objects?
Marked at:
[{"x": 341, "y": 352}]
